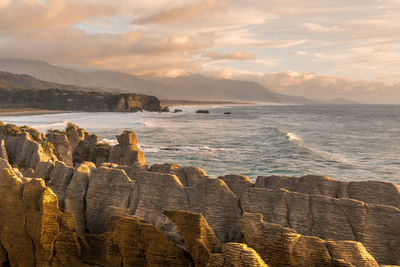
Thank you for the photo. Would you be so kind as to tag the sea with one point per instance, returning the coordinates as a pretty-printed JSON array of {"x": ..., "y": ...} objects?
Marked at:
[{"x": 345, "y": 142}]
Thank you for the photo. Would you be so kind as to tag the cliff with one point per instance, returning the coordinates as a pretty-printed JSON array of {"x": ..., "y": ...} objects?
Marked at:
[
  {"x": 61, "y": 99},
  {"x": 66, "y": 200}
]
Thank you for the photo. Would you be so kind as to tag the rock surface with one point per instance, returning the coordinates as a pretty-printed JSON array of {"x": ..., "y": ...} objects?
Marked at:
[
  {"x": 281, "y": 246},
  {"x": 110, "y": 209},
  {"x": 331, "y": 219},
  {"x": 375, "y": 192}
]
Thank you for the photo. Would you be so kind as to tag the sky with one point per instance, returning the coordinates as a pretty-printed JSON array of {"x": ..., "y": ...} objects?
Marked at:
[{"x": 320, "y": 48}]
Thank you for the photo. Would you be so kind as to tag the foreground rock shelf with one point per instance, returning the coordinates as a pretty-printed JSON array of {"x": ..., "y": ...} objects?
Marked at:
[{"x": 68, "y": 200}]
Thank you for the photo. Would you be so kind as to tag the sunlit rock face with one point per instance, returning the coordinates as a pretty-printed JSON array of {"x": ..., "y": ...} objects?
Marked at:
[{"x": 111, "y": 209}]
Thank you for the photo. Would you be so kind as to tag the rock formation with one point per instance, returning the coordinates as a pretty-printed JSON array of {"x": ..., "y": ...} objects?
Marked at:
[
  {"x": 86, "y": 203},
  {"x": 65, "y": 99},
  {"x": 281, "y": 246}
]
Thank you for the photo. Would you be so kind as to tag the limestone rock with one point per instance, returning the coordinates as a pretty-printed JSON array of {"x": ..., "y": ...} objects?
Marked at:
[
  {"x": 63, "y": 147},
  {"x": 132, "y": 241},
  {"x": 107, "y": 187},
  {"x": 240, "y": 255},
  {"x": 3, "y": 151},
  {"x": 280, "y": 246},
  {"x": 200, "y": 239},
  {"x": 188, "y": 176},
  {"x": 74, "y": 134},
  {"x": 75, "y": 195},
  {"x": 238, "y": 184},
  {"x": 60, "y": 178},
  {"x": 30, "y": 229},
  {"x": 375, "y": 192},
  {"x": 127, "y": 152},
  {"x": 375, "y": 226}
]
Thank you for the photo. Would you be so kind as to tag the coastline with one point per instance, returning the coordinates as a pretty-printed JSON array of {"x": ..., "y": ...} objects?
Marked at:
[
  {"x": 30, "y": 112},
  {"x": 174, "y": 103}
]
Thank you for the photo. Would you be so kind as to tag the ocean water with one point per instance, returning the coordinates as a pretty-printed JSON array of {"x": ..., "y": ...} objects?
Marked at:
[{"x": 350, "y": 142}]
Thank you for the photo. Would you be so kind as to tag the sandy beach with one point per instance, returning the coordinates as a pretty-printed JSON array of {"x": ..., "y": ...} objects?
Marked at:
[{"x": 27, "y": 112}]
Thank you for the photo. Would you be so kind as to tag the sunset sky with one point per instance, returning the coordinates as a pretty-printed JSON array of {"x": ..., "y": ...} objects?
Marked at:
[{"x": 279, "y": 43}]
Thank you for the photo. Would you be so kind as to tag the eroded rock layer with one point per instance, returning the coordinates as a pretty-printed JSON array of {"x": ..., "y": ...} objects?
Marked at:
[{"x": 67, "y": 200}]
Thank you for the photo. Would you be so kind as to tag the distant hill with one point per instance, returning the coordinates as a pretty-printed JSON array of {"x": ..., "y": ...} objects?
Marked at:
[
  {"x": 191, "y": 87},
  {"x": 10, "y": 80}
]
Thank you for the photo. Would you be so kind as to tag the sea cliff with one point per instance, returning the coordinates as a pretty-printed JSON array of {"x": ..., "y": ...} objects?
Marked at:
[
  {"x": 74, "y": 100},
  {"x": 68, "y": 200}
]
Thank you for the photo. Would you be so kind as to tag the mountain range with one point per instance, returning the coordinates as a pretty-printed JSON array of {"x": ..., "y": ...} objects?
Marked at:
[{"x": 190, "y": 87}]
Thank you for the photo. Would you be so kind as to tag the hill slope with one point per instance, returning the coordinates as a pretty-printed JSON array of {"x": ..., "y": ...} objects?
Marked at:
[{"x": 191, "y": 87}]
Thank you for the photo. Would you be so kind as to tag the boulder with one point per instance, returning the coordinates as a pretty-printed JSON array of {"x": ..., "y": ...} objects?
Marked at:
[{"x": 203, "y": 111}]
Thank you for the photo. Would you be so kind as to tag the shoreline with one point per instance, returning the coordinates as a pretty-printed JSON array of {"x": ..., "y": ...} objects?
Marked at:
[
  {"x": 30, "y": 112},
  {"x": 175, "y": 103}
]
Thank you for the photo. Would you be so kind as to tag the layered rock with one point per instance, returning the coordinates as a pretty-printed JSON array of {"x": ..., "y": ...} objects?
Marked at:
[
  {"x": 204, "y": 246},
  {"x": 61, "y": 99},
  {"x": 127, "y": 152},
  {"x": 132, "y": 241},
  {"x": 62, "y": 146},
  {"x": 281, "y": 246},
  {"x": 33, "y": 231},
  {"x": 331, "y": 219},
  {"x": 27, "y": 150},
  {"x": 375, "y": 192},
  {"x": 120, "y": 213}
]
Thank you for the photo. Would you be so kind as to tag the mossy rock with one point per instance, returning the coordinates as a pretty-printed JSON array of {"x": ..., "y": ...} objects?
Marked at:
[{"x": 10, "y": 130}]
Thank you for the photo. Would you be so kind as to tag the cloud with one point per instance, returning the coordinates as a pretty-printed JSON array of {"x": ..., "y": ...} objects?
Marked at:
[
  {"x": 313, "y": 27},
  {"x": 240, "y": 55},
  {"x": 316, "y": 86},
  {"x": 186, "y": 12}
]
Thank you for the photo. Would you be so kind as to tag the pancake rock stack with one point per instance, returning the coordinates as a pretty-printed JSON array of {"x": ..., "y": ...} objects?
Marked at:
[{"x": 68, "y": 200}]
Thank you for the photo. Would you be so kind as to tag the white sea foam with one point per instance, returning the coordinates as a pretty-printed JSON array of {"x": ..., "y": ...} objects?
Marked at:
[{"x": 294, "y": 137}]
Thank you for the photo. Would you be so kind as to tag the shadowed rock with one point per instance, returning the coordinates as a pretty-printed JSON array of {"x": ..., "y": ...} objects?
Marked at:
[
  {"x": 200, "y": 239},
  {"x": 132, "y": 241}
]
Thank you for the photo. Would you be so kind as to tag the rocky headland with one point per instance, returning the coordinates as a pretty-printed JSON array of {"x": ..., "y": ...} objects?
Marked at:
[
  {"x": 68, "y": 200},
  {"x": 62, "y": 99}
]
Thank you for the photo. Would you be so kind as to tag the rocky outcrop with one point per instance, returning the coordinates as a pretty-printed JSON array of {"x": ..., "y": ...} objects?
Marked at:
[
  {"x": 33, "y": 231},
  {"x": 375, "y": 192},
  {"x": 122, "y": 213},
  {"x": 204, "y": 246},
  {"x": 62, "y": 146},
  {"x": 200, "y": 239},
  {"x": 238, "y": 184},
  {"x": 127, "y": 152},
  {"x": 281, "y": 246},
  {"x": 26, "y": 151},
  {"x": 3, "y": 151},
  {"x": 61, "y": 99},
  {"x": 132, "y": 241},
  {"x": 331, "y": 219}
]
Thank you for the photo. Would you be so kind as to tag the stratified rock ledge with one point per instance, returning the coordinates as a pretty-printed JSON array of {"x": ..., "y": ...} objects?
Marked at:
[{"x": 68, "y": 200}]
